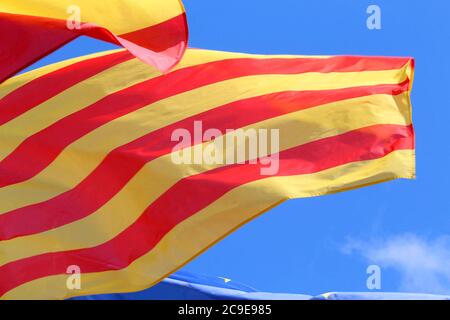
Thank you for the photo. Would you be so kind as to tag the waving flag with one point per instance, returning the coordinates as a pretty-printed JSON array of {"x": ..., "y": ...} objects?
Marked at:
[
  {"x": 90, "y": 170},
  {"x": 153, "y": 30}
]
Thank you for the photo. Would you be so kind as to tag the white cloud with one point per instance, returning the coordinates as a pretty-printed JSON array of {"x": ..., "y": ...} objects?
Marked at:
[{"x": 424, "y": 265}]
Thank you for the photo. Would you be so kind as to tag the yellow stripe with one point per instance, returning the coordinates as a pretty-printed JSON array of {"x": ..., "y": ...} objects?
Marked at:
[
  {"x": 18, "y": 81},
  {"x": 119, "y": 16},
  {"x": 159, "y": 175},
  {"x": 88, "y": 92},
  {"x": 54, "y": 179},
  {"x": 83, "y": 94},
  {"x": 203, "y": 55},
  {"x": 216, "y": 221},
  {"x": 192, "y": 57},
  {"x": 70, "y": 101}
]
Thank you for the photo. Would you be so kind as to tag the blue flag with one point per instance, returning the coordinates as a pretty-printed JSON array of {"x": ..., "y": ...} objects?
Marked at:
[{"x": 186, "y": 286}]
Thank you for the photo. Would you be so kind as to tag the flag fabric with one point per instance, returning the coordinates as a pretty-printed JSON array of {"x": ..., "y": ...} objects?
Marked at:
[
  {"x": 153, "y": 30},
  {"x": 188, "y": 286},
  {"x": 90, "y": 170},
  {"x": 380, "y": 296}
]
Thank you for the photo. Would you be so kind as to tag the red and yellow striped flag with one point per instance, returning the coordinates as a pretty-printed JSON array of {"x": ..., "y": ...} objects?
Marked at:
[
  {"x": 155, "y": 31},
  {"x": 88, "y": 176}
]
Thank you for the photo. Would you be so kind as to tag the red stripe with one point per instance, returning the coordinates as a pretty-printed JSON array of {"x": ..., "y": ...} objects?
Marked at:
[
  {"x": 124, "y": 162},
  {"x": 41, "y": 89},
  {"x": 194, "y": 193},
  {"x": 39, "y": 150}
]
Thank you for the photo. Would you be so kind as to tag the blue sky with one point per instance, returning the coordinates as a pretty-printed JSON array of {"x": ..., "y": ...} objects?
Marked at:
[{"x": 325, "y": 244}]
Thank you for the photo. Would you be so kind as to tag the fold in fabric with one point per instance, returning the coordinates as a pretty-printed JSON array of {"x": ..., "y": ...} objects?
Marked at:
[{"x": 155, "y": 31}]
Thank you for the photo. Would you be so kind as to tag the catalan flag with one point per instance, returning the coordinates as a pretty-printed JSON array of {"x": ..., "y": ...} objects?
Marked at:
[
  {"x": 153, "y": 30},
  {"x": 88, "y": 176}
]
